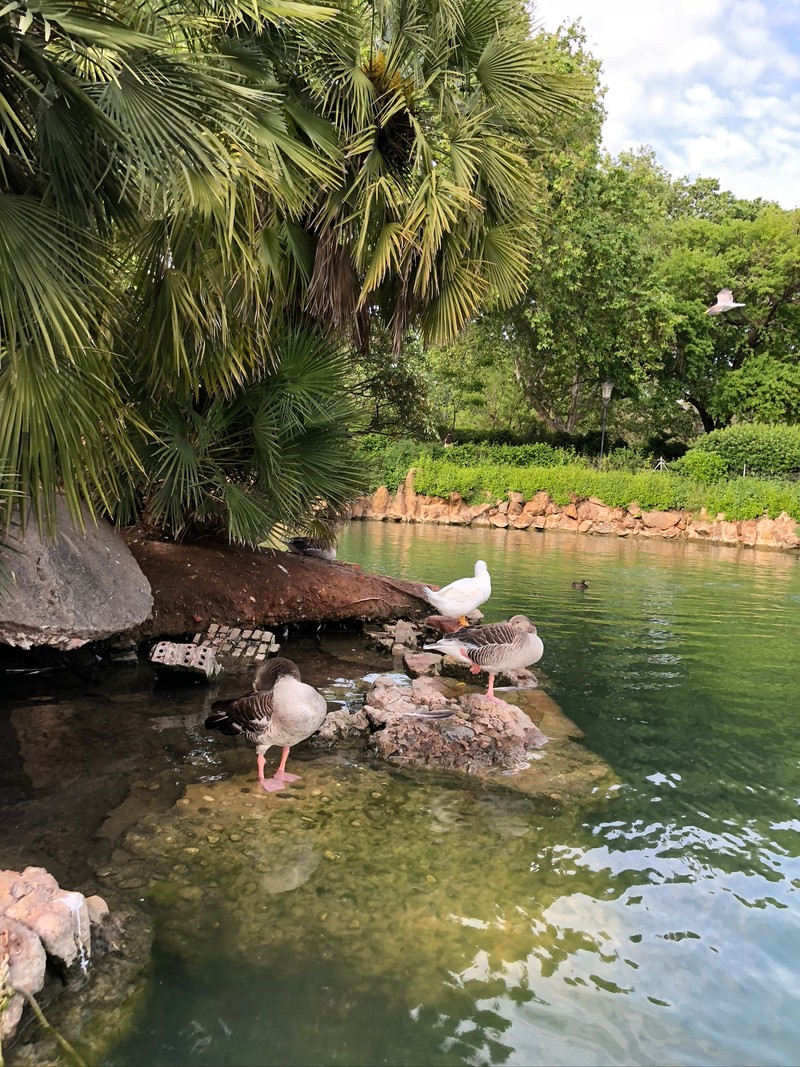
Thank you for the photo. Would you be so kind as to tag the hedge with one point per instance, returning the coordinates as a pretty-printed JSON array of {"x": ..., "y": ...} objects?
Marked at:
[
  {"x": 757, "y": 448},
  {"x": 738, "y": 498},
  {"x": 482, "y": 471}
]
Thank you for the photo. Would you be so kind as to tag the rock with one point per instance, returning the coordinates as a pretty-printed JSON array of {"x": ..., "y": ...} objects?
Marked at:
[
  {"x": 442, "y": 624},
  {"x": 340, "y": 727},
  {"x": 27, "y": 961},
  {"x": 381, "y": 500},
  {"x": 480, "y": 735},
  {"x": 537, "y": 505},
  {"x": 406, "y": 634},
  {"x": 41, "y": 925},
  {"x": 582, "y": 516},
  {"x": 660, "y": 520},
  {"x": 60, "y": 920},
  {"x": 82, "y": 586},
  {"x": 421, "y": 663}
]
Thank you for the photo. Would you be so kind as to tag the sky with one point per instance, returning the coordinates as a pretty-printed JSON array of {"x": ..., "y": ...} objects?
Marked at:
[{"x": 712, "y": 85}]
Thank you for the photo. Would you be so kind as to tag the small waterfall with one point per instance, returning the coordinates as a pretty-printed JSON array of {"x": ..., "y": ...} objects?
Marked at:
[{"x": 75, "y": 903}]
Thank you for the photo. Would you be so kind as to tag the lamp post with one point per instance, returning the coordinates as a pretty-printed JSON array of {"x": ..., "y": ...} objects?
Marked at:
[{"x": 605, "y": 391}]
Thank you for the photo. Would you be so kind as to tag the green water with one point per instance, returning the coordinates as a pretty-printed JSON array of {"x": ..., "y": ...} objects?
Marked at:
[{"x": 378, "y": 916}]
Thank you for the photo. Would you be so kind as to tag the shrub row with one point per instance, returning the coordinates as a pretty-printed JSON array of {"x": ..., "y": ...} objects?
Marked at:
[{"x": 738, "y": 498}]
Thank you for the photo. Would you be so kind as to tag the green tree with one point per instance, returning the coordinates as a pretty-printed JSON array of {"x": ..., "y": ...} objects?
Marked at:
[
  {"x": 741, "y": 364},
  {"x": 593, "y": 308},
  {"x": 472, "y": 384}
]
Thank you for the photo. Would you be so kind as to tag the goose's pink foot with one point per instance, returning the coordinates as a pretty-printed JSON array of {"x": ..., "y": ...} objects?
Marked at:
[
  {"x": 279, "y": 778},
  {"x": 277, "y": 781},
  {"x": 490, "y": 691},
  {"x": 474, "y": 669}
]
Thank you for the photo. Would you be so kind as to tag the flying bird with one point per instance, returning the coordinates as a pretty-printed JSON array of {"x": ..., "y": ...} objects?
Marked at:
[
  {"x": 724, "y": 302},
  {"x": 462, "y": 596},
  {"x": 499, "y": 646},
  {"x": 311, "y": 546},
  {"x": 281, "y": 710}
]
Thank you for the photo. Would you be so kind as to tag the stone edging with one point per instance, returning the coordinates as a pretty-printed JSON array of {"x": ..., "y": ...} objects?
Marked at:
[{"x": 579, "y": 516}]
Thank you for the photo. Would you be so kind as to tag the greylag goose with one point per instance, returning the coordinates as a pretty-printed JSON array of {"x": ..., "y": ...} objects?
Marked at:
[
  {"x": 458, "y": 598},
  {"x": 725, "y": 302},
  {"x": 499, "y": 646},
  {"x": 311, "y": 546},
  {"x": 282, "y": 710}
]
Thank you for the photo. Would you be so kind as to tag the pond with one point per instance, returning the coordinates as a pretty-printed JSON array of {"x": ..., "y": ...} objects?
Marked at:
[{"x": 385, "y": 916}]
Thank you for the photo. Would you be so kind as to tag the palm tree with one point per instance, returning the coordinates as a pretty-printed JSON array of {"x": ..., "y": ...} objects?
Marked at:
[
  {"x": 435, "y": 103},
  {"x": 137, "y": 149},
  {"x": 182, "y": 184}
]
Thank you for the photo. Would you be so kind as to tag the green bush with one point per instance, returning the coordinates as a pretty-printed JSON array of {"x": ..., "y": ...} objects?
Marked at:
[
  {"x": 627, "y": 459},
  {"x": 754, "y": 447},
  {"x": 536, "y": 455},
  {"x": 705, "y": 467},
  {"x": 388, "y": 461},
  {"x": 490, "y": 471}
]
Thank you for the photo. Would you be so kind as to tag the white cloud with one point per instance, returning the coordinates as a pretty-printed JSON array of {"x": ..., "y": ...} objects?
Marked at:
[{"x": 714, "y": 87}]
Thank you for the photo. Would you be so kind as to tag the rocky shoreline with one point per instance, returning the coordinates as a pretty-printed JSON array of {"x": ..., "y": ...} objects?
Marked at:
[{"x": 584, "y": 516}]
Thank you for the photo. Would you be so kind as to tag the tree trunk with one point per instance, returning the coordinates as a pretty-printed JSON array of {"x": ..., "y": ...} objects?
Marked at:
[
  {"x": 705, "y": 418},
  {"x": 574, "y": 401}
]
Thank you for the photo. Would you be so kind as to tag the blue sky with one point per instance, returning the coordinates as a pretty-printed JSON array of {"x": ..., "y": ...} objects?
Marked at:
[{"x": 712, "y": 85}]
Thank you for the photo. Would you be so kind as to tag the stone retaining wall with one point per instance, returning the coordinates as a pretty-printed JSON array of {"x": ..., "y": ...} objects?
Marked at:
[{"x": 579, "y": 516}]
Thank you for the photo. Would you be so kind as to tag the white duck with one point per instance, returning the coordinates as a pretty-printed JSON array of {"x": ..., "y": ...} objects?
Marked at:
[
  {"x": 462, "y": 596},
  {"x": 725, "y": 302},
  {"x": 282, "y": 710},
  {"x": 499, "y": 646}
]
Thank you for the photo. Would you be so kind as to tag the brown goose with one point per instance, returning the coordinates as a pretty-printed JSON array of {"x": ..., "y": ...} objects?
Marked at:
[
  {"x": 500, "y": 646},
  {"x": 282, "y": 710},
  {"x": 311, "y": 546}
]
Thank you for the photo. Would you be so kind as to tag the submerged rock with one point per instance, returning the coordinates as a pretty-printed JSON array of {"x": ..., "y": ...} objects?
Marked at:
[{"x": 526, "y": 743}]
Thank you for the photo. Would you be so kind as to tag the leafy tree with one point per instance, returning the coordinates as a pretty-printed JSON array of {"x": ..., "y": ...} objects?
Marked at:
[
  {"x": 742, "y": 364},
  {"x": 391, "y": 390},
  {"x": 473, "y": 385},
  {"x": 591, "y": 306},
  {"x": 592, "y": 309}
]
